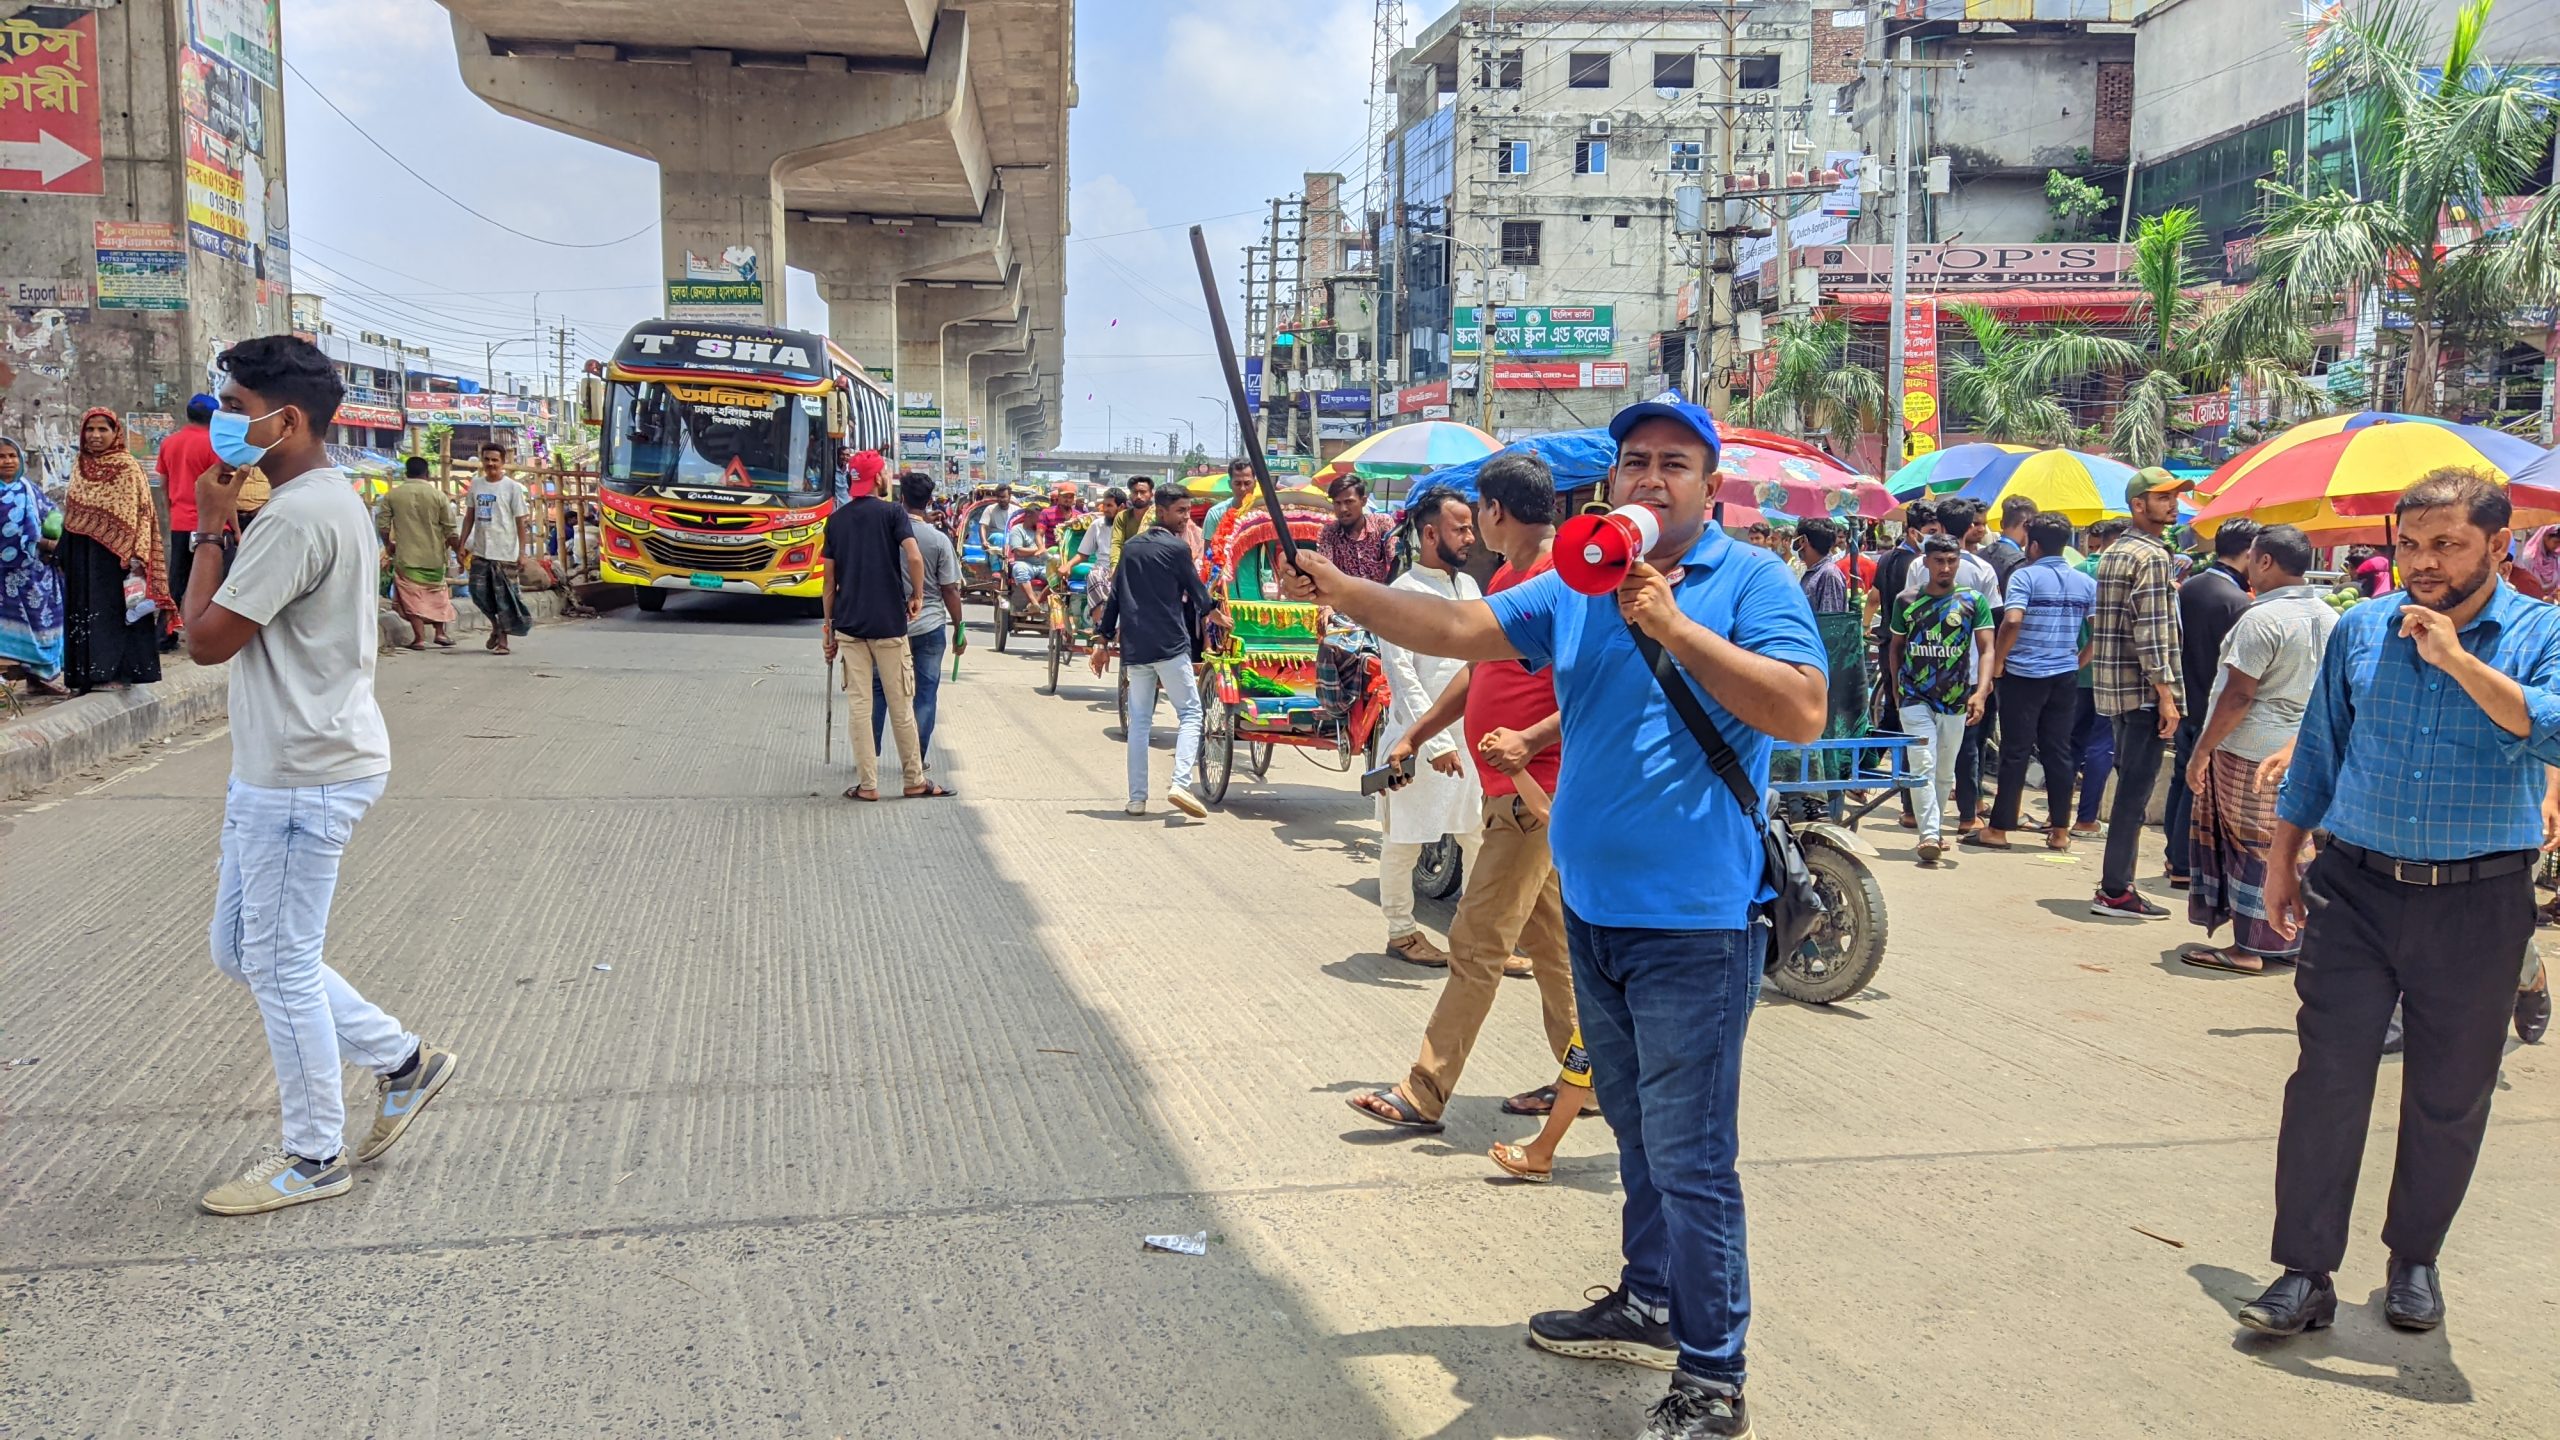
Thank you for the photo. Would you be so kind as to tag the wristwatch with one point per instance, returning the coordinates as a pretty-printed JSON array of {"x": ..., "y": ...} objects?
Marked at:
[{"x": 201, "y": 538}]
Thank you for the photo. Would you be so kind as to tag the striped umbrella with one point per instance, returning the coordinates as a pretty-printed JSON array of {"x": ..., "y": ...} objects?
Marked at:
[
  {"x": 1412, "y": 450},
  {"x": 1941, "y": 470},
  {"x": 2339, "y": 485},
  {"x": 2078, "y": 486}
]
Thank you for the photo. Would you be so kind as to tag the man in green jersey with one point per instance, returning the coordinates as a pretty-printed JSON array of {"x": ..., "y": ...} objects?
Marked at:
[{"x": 1938, "y": 652}]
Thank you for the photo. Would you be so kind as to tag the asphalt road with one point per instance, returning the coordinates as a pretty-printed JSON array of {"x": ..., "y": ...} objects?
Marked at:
[{"x": 859, "y": 1134}]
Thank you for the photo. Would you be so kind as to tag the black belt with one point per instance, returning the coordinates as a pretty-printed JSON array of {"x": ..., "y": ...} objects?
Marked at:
[{"x": 2448, "y": 872}]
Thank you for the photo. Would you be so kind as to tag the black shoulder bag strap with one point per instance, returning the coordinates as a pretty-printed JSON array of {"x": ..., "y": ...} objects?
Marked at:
[{"x": 1795, "y": 907}]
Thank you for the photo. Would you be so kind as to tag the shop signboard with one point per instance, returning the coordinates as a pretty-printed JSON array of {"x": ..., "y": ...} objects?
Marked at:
[
  {"x": 1412, "y": 399},
  {"x": 1560, "y": 375},
  {"x": 239, "y": 33},
  {"x": 1959, "y": 266},
  {"x": 1538, "y": 332},
  {"x": 50, "y": 103},
  {"x": 1342, "y": 402},
  {"x": 142, "y": 265},
  {"x": 1920, "y": 418},
  {"x": 1339, "y": 427},
  {"x": 367, "y": 415},
  {"x": 2205, "y": 412}
]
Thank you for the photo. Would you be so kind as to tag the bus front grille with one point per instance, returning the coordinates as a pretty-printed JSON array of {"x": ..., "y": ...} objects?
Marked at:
[{"x": 732, "y": 559}]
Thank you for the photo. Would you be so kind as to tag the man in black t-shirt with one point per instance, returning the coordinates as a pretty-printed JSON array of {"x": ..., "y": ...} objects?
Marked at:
[{"x": 871, "y": 584}]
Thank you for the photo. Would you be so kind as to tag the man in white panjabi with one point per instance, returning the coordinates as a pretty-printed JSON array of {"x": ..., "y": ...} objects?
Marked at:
[{"x": 1443, "y": 798}]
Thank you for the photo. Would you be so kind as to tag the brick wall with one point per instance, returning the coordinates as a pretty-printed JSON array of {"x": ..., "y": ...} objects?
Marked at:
[{"x": 2113, "y": 142}]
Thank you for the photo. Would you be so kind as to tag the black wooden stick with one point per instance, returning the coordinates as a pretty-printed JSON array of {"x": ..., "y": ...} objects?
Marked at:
[{"x": 1252, "y": 425}]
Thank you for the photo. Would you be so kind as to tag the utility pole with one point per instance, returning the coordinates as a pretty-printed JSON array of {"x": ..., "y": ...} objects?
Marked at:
[
  {"x": 1901, "y": 67},
  {"x": 1271, "y": 390},
  {"x": 1725, "y": 340}
]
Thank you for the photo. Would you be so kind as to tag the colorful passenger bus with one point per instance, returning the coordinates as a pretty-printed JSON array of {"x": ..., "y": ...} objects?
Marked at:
[{"x": 723, "y": 450}]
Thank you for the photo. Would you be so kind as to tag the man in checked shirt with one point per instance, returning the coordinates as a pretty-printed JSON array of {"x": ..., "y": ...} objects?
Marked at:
[
  {"x": 2421, "y": 754},
  {"x": 2135, "y": 663}
]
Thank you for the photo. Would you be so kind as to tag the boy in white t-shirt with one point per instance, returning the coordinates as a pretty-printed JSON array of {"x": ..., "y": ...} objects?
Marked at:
[
  {"x": 497, "y": 531},
  {"x": 294, "y": 615}
]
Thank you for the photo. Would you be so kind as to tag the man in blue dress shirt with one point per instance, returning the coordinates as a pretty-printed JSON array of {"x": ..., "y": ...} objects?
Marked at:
[
  {"x": 2421, "y": 755},
  {"x": 1661, "y": 870}
]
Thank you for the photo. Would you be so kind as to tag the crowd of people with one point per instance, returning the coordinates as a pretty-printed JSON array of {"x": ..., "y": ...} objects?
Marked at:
[{"x": 2363, "y": 797}]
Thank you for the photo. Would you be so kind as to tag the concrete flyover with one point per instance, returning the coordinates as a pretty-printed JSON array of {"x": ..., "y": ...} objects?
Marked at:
[{"x": 911, "y": 154}]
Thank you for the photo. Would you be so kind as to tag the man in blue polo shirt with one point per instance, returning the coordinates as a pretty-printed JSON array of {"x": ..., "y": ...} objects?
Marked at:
[{"x": 1661, "y": 872}]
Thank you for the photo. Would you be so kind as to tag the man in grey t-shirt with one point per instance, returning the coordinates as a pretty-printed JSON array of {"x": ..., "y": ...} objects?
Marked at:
[
  {"x": 294, "y": 616},
  {"x": 2269, "y": 662},
  {"x": 940, "y": 613}
]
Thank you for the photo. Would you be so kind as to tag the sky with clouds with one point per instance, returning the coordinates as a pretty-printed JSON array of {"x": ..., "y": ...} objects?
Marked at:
[{"x": 1192, "y": 111}]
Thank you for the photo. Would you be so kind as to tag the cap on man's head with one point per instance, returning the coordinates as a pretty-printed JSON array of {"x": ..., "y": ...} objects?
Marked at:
[
  {"x": 2153, "y": 480},
  {"x": 1670, "y": 407}
]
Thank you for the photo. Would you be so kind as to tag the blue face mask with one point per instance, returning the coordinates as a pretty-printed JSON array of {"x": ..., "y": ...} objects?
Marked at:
[{"x": 230, "y": 431}]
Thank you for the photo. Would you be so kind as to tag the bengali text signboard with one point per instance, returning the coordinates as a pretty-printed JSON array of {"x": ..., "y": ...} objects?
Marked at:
[
  {"x": 1538, "y": 332},
  {"x": 49, "y": 102},
  {"x": 142, "y": 265},
  {"x": 1920, "y": 419}
]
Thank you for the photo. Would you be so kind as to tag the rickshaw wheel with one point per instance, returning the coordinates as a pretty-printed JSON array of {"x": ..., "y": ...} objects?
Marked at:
[
  {"x": 1124, "y": 700},
  {"x": 1004, "y": 620},
  {"x": 1841, "y": 956},
  {"x": 1057, "y": 648},
  {"x": 1218, "y": 755},
  {"x": 1258, "y": 754}
]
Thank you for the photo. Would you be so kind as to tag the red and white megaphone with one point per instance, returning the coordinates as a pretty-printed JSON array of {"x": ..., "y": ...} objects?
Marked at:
[{"x": 1594, "y": 551}]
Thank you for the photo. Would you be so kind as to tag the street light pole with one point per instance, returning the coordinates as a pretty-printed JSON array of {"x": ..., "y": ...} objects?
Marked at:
[{"x": 1226, "y": 413}]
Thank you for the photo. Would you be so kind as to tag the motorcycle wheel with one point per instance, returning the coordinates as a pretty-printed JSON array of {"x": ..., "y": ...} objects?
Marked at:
[
  {"x": 1442, "y": 871},
  {"x": 1841, "y": 956}
]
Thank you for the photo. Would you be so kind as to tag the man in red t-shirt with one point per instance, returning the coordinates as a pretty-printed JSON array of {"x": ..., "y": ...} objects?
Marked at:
[
  {"x": 1512, "y": 897},
  {"x": 186, "y": 454}
]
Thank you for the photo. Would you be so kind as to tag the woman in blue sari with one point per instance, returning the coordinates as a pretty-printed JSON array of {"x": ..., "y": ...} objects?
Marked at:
[{"x": 30, "y": 587}]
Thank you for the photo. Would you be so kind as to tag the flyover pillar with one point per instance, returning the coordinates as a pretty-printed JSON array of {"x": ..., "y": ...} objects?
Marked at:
[
  {"x": 861, "y": 260},
  {"x": 723, "y": 137},
  {"x": 925, "y": 310}
]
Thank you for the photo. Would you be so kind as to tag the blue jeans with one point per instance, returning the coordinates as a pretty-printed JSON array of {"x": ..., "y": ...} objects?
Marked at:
[
  {"x": 2094, "y": 741},
  {"x": 280, "y": 853},
  {"x": 1174, "y": 677},
  {"x": 1663, "y": 1015},
  {"x": 927, "y": 652}
]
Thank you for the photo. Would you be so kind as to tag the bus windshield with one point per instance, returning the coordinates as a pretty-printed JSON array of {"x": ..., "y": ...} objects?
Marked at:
[{"x": 717, "y": 437}]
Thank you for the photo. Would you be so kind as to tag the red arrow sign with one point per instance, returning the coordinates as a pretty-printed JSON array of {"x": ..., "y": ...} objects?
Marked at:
[{"x": 50, "y": 103}]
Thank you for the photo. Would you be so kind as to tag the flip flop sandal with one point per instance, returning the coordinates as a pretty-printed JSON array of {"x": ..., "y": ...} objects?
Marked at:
[
  {"x": 2205, "y": 957},
  {"x": 931, "y": 791},
  {"x": 1972, "y": 840},
  {"x": 1405, "y": 1117},
  {"x": 444, "y": 642},
  {"x": 1518, "y": 969},
  {"x": 855, "y": 793},
  {"x": 1539, "y": 1103},
  {"x": 1515, "y": 1161}
]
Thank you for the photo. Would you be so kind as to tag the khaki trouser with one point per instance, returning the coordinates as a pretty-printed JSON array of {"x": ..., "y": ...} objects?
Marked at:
[
  {"x": 889, "y": 659},
  {"x": 1512, "y": 900}
]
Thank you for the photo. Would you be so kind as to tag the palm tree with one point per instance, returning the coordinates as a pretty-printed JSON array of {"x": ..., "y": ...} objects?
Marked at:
[
  {"x": 2005, "y": 389},
  {"x": 1813, "y": 387},
  {"x": 2446, "y": 132},
  {"x": 2183, "y": 351}
]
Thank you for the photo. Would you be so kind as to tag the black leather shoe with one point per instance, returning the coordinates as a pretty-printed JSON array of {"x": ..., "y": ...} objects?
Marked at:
[
  {"x": 2301, "y": 1300},
  {"x": 2533, "y": 1014},
  {"x": 2415, "y": 1299}
]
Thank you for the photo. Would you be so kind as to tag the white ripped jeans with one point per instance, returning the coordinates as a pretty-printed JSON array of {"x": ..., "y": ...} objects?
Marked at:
[{"x": 280, "y": 853}]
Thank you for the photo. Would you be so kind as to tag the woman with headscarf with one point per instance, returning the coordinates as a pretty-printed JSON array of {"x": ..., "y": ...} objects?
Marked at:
[
  {"x": 30, "y": 588},
  {"x": 110, "y": 531}
]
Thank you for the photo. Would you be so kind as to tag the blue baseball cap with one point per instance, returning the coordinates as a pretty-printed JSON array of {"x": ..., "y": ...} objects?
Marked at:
[{"x": 1669, "y": 406}]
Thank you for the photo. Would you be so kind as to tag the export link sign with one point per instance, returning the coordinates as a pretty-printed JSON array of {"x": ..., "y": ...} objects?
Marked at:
[
  {"x": 1948, "y": 267},
  {"x": 1533, "y": 332}
]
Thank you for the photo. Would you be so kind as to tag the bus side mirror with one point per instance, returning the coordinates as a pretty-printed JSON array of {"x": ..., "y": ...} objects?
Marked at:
[
  {"x": 838, "y": 414},
  {"x": 591, "y": 400}
]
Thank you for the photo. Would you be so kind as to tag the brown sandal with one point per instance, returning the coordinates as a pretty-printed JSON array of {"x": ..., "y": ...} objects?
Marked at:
[
  {"x": 1515, "y": 1161},
  {"x": 1389, "y": 1107}
]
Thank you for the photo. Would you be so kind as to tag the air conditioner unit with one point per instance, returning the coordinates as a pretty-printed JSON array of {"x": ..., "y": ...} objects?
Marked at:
[
  {"x": 1598, "y": 128},
  {"x": 1346, "y": 345}
]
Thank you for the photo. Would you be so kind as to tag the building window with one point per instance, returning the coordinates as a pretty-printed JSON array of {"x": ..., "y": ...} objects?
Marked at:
[
  {"x": 1510, "y": 157},
  {"x": 1502, "y": 72},
  {"x": 1675, "y": 72},
  {"x": 1587, "y": 70},
  {"x": 1590, "y": 157},
  {"x": 1757, "y": 72},
  {"x": 1687, "y": 156},
  {"x": 1625, "y": 220},
  {"x": 1520, "y": 241}
]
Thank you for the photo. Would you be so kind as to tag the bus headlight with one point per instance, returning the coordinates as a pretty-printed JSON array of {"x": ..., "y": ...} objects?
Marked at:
[
  {"x": 794, "y": 535},
  {"x": 620, "y": 521}
]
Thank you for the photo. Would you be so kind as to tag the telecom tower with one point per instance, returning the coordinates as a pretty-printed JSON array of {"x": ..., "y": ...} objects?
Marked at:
[{"x": 1376, "y": 173}]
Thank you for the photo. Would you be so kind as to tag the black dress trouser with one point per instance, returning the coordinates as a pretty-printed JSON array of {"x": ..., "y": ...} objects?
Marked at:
[
  {"x": 2447, "y": 956},
  {"x": 2035, "y": 723}
]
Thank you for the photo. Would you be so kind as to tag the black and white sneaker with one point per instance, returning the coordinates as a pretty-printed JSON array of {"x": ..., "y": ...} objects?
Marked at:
[
  {"x": 1692, "y": 1411},
  {"x": 1612, "y": 1327}
]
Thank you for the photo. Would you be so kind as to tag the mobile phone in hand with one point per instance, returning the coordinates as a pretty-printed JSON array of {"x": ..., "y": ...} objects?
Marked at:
[{"x": 1386, "y": 777}]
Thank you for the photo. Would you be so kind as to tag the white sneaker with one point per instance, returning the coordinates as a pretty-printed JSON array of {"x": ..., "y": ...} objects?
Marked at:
[
  {"x": 1134, "y": 807},
  {"x": 1181, "y": 798}
]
